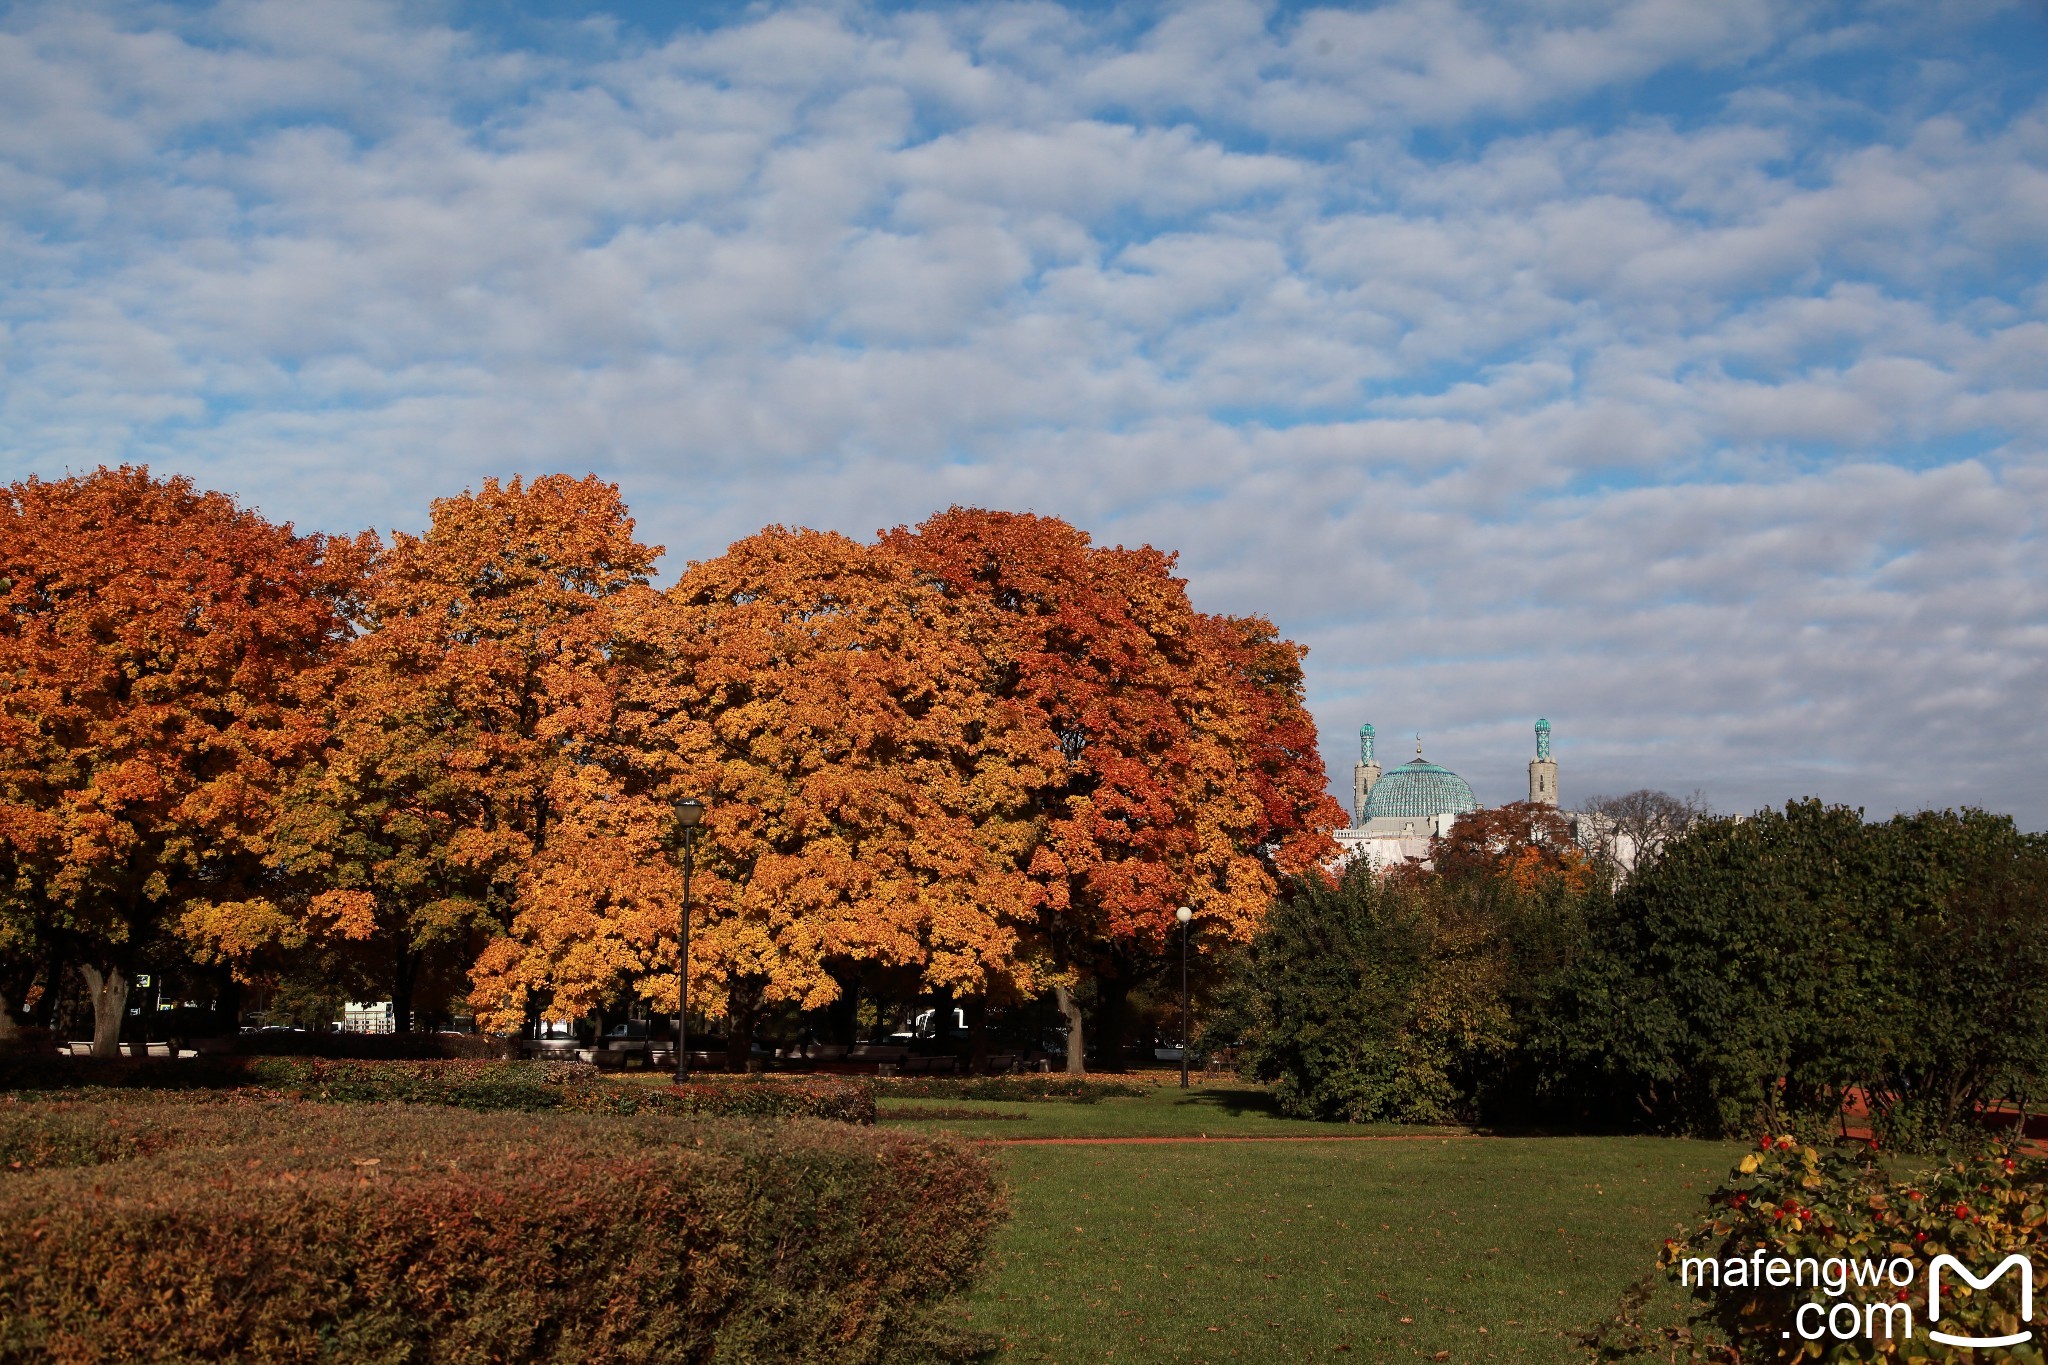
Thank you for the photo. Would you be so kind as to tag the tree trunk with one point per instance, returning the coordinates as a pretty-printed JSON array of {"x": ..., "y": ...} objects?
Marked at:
[
  {"x": 1070, "y": 1010},
  {"x": 405, "y": 971},
  {"x": 1111, "y": 1021},
  {"x": 227, "y": 1003},
  {"x": 977, "y": 1034},
  {"x": 15, "y": 985},
  {"x": 48, "y": 1004},
  {"x": 108, "y": 992},
  {"x": 742, "y": 1003},
  {"x": 842, "y": 1016}
]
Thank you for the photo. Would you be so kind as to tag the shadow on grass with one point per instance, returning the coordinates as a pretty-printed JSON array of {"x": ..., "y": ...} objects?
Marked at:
[{"x": 1233, "y": 1101}]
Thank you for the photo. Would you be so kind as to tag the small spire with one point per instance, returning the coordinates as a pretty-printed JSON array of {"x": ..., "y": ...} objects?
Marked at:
[{"x": 1418, "y": 748}]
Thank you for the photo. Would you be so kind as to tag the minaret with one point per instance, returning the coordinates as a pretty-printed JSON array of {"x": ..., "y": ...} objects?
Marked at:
[
  {"x": 1363, "y": 776},
  {"x": 1543, "y": 769}
]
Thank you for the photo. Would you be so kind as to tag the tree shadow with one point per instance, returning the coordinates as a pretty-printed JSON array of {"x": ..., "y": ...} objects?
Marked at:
[{"x": 1234, "y": 1101}]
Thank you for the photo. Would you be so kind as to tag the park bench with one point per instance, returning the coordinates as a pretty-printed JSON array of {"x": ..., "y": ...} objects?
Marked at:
[
  {"x": 549, "y": 1049},
  {"x": 632, "y": 1051}
]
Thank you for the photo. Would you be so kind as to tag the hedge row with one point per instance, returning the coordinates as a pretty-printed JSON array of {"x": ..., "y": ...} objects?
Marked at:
[
  {"x": 310, "y": 1232},
  {"x": 378, "y": 1046},
  {"x": 43, "y": 1135},
  {"x": 533, "y": 1087},
  {"x": 1038, "y": 1087}
]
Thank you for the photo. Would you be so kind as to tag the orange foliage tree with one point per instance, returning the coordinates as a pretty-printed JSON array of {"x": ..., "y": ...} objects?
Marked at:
[
  {"x": 983, "y": 757},
  {"x": 980, "y": 757},
  {"x": 1525, "y": 844},
  {"x": 868, "y": 797},
  {"x": 464, "y": 720},
  {"x": 1190, "y": 773},
  {"x": 150, "y": 649}
]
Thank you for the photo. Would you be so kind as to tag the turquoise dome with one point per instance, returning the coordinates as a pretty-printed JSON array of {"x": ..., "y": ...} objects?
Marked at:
[{"x": 1417, "y": 790}]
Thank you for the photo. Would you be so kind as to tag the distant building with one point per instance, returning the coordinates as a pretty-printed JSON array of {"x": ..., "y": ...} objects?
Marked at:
[
  {"x": 359, "y": 1016},
  {"x": 1395, "y": 815}
]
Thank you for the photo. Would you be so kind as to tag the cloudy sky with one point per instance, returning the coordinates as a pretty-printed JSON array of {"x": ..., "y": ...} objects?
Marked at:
[{"x": 1675, "y": 370}]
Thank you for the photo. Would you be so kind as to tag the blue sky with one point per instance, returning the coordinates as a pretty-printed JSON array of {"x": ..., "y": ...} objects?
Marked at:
[{"x": 1676, "y": 371}]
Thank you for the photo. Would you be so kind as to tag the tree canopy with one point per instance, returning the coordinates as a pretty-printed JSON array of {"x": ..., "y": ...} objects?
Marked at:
[
  {"x": 153, "y": 643},
  {"x": 978, "y": 757}
]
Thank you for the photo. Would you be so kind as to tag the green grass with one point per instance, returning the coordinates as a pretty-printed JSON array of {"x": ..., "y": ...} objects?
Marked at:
[{"x": 1256, "y": 1252}]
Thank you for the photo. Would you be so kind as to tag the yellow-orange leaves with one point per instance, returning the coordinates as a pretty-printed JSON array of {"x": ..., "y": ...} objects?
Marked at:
[
  {"x": 464, "y": 718},
  {"x": 862, "y": 784}
]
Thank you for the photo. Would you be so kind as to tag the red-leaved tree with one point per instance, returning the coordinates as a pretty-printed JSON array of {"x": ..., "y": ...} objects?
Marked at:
[{"x": 151, "y": 644}]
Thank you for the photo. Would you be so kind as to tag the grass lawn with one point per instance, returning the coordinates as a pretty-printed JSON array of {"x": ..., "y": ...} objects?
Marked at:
[
  {"x": 1485, "y": 1248},
  {"x": 1215, "y": 1111}
]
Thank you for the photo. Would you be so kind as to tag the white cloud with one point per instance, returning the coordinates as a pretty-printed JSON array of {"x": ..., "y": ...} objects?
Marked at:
[{"x": 1717, "y": 433}]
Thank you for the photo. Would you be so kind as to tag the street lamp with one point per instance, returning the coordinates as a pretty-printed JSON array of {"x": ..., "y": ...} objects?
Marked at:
[
  {"x": 689, "y": 813},
  {"x": 1184, "y": 915}
]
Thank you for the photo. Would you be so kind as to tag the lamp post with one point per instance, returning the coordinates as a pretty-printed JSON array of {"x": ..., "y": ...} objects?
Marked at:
[
  {"x": 1185, "y": 916},
  {"x": 689, "y": 813}
]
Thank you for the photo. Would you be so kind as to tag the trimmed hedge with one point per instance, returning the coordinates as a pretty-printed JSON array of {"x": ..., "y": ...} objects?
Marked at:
[
  {"x": 379, "y": 1047},
  {"x": 532, "y": 1087},
  {"x": 813, "y": 1097},
  {"x": 309, "y": 1232},
  {"x": 40, "y": 1136},
  {"x": 1039, "y": 1087}
]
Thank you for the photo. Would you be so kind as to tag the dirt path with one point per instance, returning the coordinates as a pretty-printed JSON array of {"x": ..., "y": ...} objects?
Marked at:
[{"x": 1204, "y": 1138}]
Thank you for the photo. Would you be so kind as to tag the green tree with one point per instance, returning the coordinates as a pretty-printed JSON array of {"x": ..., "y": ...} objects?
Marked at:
[
  {"x": 1375, "y": 999},
  {"x": 1765, "y": 966},
  {"x": 1962, "y": 1021}
]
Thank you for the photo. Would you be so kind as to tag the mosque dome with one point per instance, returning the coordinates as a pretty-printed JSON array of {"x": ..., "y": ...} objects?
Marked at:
[{"x": 1417, "y": 790}]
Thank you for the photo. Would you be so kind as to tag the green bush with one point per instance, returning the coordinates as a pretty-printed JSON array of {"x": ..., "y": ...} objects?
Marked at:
[
  {"x": 310, "y": 1232},
  {"x": 1801, "y": 1202},
  {"x": 1035, "y": 1087},
  {"x": 533, "y": 1087},
  {"x": 1375, "y": 1000},
  {"x": 1766, "y": 967}
]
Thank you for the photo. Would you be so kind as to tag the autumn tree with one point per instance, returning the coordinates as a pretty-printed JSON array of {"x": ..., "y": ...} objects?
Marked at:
[
  {"x": 150, "y": 645},
  {"x": 463, "y": 720},
  {"x": 1525, "y": 844},
  {"x": 868, "y": 799},
  {"x": 1189, "y": 774},
  {"x": 980, "y": 758}
]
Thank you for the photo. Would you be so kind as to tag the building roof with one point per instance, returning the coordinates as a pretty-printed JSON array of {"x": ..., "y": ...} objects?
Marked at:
[{"x": 1417, "y": 790}]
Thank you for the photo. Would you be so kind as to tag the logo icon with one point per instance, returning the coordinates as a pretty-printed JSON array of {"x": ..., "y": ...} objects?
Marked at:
[{"x": 2026, "y": 1270}]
